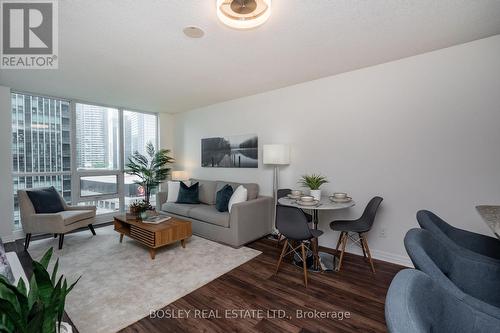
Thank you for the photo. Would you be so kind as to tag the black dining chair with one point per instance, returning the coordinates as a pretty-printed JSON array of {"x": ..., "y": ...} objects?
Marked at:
[
  {"x": 359, "y": 226},
  {"x": 292, "y": 224},
  {"x": 283, "y": 192}
]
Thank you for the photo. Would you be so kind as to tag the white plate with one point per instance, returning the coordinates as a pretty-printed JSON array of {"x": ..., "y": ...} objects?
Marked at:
[
  {"x": 291, "y": 196},
  {"x": 337, "y": 200},
  {"x": 307, "y": 203}
]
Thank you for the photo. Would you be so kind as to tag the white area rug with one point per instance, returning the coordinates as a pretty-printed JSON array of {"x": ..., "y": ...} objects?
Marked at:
[{"x": 120, "y": 283}]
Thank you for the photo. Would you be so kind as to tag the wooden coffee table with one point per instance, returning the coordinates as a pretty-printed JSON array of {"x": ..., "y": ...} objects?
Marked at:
[{"x": 154, "y": 235}]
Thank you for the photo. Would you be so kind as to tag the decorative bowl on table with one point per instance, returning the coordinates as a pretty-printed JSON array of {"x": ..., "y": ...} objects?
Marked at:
[
  {"x": 307, "y": 200},
  {"x": 340, "y": 198}
]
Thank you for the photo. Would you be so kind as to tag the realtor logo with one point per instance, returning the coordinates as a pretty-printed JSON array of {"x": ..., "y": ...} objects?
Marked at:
[{"x": 29, "y": 34}]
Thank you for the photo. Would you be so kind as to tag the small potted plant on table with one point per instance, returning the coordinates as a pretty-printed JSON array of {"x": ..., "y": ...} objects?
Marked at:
[{"x": 313, "y": 182}]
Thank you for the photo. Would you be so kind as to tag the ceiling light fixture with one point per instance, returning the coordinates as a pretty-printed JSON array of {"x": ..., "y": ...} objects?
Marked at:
[
  {"x": 193, "y": 32},
  {"x": 243, "y": 14}
]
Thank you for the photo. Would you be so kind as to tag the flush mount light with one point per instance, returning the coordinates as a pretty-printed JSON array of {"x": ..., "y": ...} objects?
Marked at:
[
  {"x": 243, "y": 14},
  {"x": 193, "y": 32}
]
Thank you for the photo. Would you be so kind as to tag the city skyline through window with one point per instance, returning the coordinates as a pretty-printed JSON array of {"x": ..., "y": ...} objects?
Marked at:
[{"x": 84, "y": 161}]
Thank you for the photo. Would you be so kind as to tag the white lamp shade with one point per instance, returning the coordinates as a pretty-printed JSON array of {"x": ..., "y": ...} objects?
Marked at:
[
  {"x": 277, "y": 154},
  {"x": 179, "y": 175}
]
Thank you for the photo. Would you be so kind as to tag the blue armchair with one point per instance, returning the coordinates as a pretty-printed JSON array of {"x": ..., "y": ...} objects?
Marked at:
[
  {"x": 417, "y": 304},
  {"x": 481, "y": 244},
  {"x": 472, "y": 278}
]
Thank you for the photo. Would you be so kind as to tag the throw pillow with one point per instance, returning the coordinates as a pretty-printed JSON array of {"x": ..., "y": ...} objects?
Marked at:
[
  {"x": 222, "y": 198},
  {"x": 240, "y": 195},
  {"x": 46, "y": 200},
  {"x": 188, "y": 194},
  {"x": 173, "y": 189},
  {"x": 5, "y": 269}
]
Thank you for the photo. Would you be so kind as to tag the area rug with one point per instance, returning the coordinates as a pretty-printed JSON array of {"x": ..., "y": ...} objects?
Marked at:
[{"x": 120, "y": 284}]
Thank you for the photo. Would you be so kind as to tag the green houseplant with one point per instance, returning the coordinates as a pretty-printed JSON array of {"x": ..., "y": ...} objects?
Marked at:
[
  {"x": 313, "y": 182},
  {"x": 41, "y": 309},
  {"x": 151, "y": 169}
]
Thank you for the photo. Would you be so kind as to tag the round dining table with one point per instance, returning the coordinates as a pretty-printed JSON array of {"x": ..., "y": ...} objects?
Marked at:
[{"x": 324, "y": 204}]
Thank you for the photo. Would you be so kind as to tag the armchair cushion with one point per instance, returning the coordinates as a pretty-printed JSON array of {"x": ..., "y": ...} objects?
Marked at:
[
  {"x": 72, "y": 216},
  {"x": 46, "y": 200}
]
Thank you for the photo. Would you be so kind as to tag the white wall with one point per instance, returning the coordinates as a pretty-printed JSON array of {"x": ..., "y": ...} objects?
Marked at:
[
  {"x": 6, "y": 197},
  {"x": 422, "y": 132}
]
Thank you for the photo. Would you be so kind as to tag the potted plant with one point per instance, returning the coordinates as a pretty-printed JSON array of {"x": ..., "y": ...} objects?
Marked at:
[
  {"x": 139, "y": 207},
  {"x": 41, "y": 308},
  {"x": 313, "y": 182},
  {"x": 151, "y": 169}
]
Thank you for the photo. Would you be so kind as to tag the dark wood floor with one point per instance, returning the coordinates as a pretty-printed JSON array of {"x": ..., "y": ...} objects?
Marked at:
[{"x": 253, "y": 287}]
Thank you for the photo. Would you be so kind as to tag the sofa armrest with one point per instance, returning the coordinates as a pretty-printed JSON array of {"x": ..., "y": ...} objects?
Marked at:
[
  {"x": 161, "y": 198},
  {"x": 252, "y": 219}
]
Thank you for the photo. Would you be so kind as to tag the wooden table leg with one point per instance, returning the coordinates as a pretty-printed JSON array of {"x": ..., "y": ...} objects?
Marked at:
[
  {"x": 152, "y": 253},
  {"x": 121, "y": 238},
  {"x": 183, "y": 243}
]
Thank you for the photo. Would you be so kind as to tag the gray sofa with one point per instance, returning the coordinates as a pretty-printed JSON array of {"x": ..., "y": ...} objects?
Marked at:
[{"x": 248, "y": 221}]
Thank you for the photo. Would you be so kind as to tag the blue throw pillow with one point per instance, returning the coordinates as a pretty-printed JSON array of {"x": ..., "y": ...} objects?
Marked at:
[
  {"x": 46, "y": 200},
  {"x": 222, "y": 198},
  {"x": 188, "y": 194}
]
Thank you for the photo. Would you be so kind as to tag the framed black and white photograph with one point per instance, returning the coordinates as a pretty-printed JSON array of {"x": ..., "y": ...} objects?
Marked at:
[{"x": 239, "y": 151}]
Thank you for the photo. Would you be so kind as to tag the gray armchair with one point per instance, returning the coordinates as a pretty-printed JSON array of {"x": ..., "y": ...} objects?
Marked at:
[
  {"x": 471, "y": 278},
  {"x": 417, "y": 304},
  {"x": 481, "y": 244},
  {"x": 71, "y": 218}
]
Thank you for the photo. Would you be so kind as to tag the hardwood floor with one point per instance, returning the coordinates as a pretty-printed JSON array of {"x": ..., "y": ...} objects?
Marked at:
[
  {"x": 258, "y": 298},
  {"x": 253, "y": 287}
]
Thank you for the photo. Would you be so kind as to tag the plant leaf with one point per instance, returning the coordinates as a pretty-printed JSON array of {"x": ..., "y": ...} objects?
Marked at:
[{"x": 46, "y": 258}]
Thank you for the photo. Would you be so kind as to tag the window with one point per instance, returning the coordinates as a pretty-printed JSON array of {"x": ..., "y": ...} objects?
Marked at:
[
  {"x": 41, "y": 145},
  {"x": 97, "y": 137},
  {"x": 138, "y": 130},
  {"x": 78, "y": 149}
]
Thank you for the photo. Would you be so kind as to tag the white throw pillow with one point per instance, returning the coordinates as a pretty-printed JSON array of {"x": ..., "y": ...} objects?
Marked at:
[
  {"x": 240, "y": 195},
  {"x": 173, "y": 190}
]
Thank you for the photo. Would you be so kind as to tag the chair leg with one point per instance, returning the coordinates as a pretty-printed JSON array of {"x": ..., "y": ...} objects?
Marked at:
[
  {"x": 304, "y": 263},
  {"x": 55, "y": 235},
  {"x": 285, "y": 246},
  {"x": 344, "y": 242},
  {"x": 279, "y": 240},
  {"x": 338, "y": 242},
  {"x": 27, "y": 242},
  {"x": 362, "y": 245},
  {"x": 61, "y": 241},
  {"x": 365, "y": 243},
  {"x": 91, "y": 227}
]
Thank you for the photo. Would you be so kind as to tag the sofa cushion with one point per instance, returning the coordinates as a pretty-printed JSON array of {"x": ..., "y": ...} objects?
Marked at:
[
  {"x": 206, "y": 191},
  {"x": 188, "y": 194},
  {"x": 222, "y": 198},
  {"x": 252, "y": 188},
  {"x": 209, "y": 214},
  {"x": 177, "y": 208},
  {"x": 45, "y": 200},
  {"x": 73, "y": 216}
]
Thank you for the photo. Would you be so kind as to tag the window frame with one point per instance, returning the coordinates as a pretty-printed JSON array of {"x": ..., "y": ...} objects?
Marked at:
[{"x": 76, "y": 174}]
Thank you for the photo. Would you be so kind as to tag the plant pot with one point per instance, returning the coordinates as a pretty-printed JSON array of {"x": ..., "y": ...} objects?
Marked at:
[
  {"x": 65, "y": 328},
  {"x": 316, "y": 194}
]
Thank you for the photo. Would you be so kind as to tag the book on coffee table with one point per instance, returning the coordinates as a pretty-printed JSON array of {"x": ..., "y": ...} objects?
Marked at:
[{"x": 156, "y": 219}]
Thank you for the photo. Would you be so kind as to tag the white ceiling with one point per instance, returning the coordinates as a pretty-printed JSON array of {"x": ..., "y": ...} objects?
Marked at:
[{"x": 133, "y": 53}]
